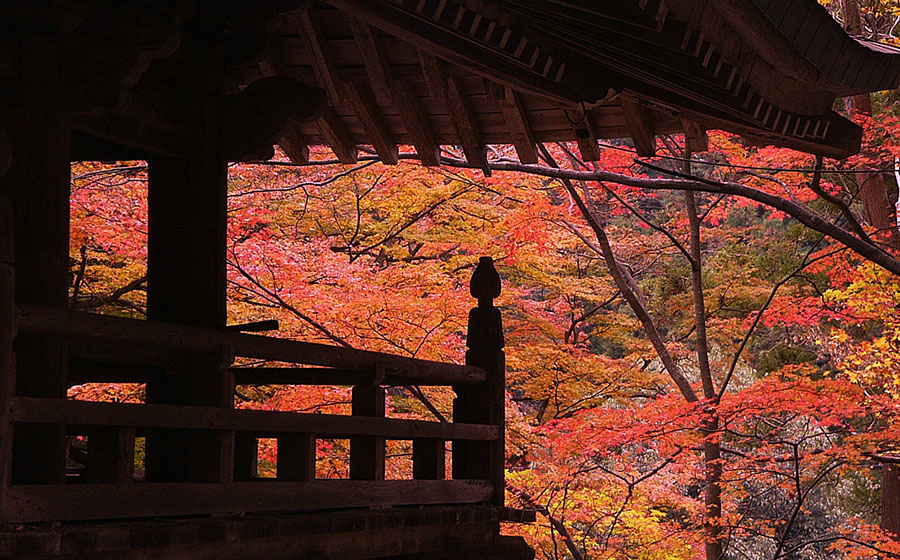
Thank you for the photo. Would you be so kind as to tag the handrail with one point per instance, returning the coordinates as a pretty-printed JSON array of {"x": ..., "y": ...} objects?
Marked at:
[
  {"x": 88, "y": 413},
  {"x": 182, "y": 338}
]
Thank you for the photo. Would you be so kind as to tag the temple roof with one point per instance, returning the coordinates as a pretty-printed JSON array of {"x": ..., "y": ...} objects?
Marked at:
[
  {"x": 475, "y": 72},
  {"x": 468, "y": 73}
]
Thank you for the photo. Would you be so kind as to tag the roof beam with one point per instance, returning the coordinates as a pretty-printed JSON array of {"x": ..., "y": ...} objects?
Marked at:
[
  {"x": 375, "y": 61},
  {"x": 335, "y": 134},
  {"x": 323, "y": 63},
  {"x": 585, "y": 135},
  {"x": 449, "y": 92},
  {"x": 518, "y": 125},
  {"x": 368, "y": 114},
  {"x": 639, "y": 126},
  {"x": 294, "y": 146},
  {"x": 417, "y": 125},
  {"x": 695, "y": 138},
  {"x": 464, "y": 122}
]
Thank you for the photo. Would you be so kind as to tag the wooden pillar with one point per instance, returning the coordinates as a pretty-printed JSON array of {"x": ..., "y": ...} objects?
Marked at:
[
  {"x": 246, "y": 457},
  {"x": 7, "y": 335},
  {"x": 186, "y": 285},
  {"x": 110, "y": 458},
  {"x": 367, "y": 452},
  {"x": 484, "y": 404},
  {"x": 890, "y": 514},
  {"x": 37, "y": 186}
]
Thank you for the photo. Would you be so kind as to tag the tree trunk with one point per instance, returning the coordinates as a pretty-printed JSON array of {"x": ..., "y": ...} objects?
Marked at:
[{"x": 880, "y": 209}]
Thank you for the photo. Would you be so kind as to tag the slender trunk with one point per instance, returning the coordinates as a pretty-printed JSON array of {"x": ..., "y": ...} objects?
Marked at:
[
  {"x": 880, "y": 209},
  {"x": 711, "y": 451}
]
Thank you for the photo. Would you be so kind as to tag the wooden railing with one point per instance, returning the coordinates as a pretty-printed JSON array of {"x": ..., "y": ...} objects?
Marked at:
[{"x": 103, "y": 348}]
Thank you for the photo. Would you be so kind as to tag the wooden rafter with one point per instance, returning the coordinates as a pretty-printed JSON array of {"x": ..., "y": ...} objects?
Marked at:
[
  {"x": 639, "y": 127},
  {"x": 335, "y": 134},
  {"x": 375, "y": 61},
  {"x": 518, "y": 125},
  {"x": 294, "y": 145},
  {"x": 374, "y": 124},
  {"x": 323, "y": 62},
  {"x": 695, "y": 136},
  {"x": 416, "y": 122},
  {"x": 451, "y": 95},
  {"x": 464, "y": 122},
  {"x": 585, "y": 134}
]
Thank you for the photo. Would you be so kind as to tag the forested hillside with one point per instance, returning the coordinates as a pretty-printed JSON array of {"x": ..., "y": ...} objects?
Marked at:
[{"x": 702, "y": 347}]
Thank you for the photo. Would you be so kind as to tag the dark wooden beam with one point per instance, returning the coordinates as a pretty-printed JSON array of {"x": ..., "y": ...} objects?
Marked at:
[
  {"x": 367, "y": 453},
  {"x": 695, "y": 137},
  {"x": 296, "y": 460},
  {"x": 294, "y": 145},
  {"x": 335, "y": 134},
  {"x": 639, "y": 126},
  {"x": 417, "y": 126},
  {"x": 324, "y": 64},
  {"x": 374, "y": 124},
  {"x": 463, "y": 121},
  {"x": 429, "y": 459},
  {"x": 262, "y": 422},
  {"x": 363, "y": 376},
  {"x": 375, "y": 61},
  {"x": 585, "y": 135},
  {"x": 110, "y": 458},
  {"x": 253, "y": 120},
  {"x": 35, "y": 503},
  {"x": 518, "y": 125}
]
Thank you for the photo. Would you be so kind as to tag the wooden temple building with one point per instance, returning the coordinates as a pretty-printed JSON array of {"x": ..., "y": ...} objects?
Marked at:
[{"x": 191, "y": 85}]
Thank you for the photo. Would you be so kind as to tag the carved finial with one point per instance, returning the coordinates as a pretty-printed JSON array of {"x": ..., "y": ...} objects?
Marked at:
[{"x": 485, "y": 283}]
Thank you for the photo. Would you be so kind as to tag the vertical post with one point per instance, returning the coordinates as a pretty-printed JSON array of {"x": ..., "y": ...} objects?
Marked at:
[
  {"x": 186, "y": 284},
  {"x": 37, "y": 185},
  {"x": 7, "y": 335},
  {"x": 246, "y": 457},
  {"x": 483, "y": 404},
  {"x": 367, "y": 452},
  {"x": 890, "y": 514},
  {"x": 429, "y": 459},
  {"x": 296, "y": 461},
  {"x": 110, "y": 458}
]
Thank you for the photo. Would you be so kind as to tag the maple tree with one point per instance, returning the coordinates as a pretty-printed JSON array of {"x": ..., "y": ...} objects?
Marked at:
[{"x": 702, "y": 348}]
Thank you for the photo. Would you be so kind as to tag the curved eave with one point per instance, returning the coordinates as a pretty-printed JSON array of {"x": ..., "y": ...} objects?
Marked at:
[{"x": 804, "y": 26}]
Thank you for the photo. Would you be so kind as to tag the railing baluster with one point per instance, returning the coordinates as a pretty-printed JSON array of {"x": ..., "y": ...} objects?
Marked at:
[
  {"x": 296, "y": 457},
  {"x": 246, "y": 457},
  {"x": 367, "y": 452},
  {"x": 429, "y": 459},
  {"x": 110, "y": 455}
]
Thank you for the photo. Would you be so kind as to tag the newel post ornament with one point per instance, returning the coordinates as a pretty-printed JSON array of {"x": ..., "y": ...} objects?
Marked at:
[{"x": 483, "y": 404}]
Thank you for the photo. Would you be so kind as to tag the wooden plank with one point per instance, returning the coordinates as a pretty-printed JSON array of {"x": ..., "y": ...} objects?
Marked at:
[
  {"x": 296, "y": 457},
  {"x": 186, "y": 339},
  {"x": 890, "y": 515},
  {"x": 374, "y": 57},
  {"x": 519, "y": 127},
  {"x": 35, "y": 503},
  {"x": 335, "y": 135},
  {"x": 110, "y": 457},
  {"x": 417, "y": 125},
  {"x": 639, "y": 126},
  {"x": 261, "y": 422},
  {"x": 429, "y": 459},
  {"x": 363, "y": 376},
  {"x": 368, "y": 114},
  {"x": 323, "y": 63},
  {"x": 367, "y": 452}
]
